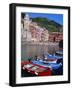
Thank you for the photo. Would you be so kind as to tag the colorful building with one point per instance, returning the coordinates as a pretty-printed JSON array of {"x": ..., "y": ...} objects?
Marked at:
[
  {"x": 30, "y": 31},
  {"x": 55, "y": 36}
]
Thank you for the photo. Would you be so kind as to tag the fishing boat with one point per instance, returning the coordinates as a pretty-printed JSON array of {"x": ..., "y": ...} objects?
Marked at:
[
  {"x": 51, "y": 64},
  {"x": 36, "y": 69}
]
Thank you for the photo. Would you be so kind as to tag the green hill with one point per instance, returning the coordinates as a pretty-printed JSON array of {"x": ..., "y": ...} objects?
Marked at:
[{"x": 52, "y": 26}]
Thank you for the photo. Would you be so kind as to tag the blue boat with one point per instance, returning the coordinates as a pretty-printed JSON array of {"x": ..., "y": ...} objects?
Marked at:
[
  {"x": 57, "y": 55},
  {"x": 55, "y": 63},
  {"x": 50, "y": 65}
]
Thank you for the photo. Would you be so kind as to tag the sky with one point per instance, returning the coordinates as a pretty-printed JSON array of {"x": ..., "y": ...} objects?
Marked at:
[{"x": 55, "y": 17}]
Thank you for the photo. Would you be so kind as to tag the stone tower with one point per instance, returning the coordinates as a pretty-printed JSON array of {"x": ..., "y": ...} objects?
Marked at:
[
  {"x": 26, "y": 22},
  {"x": 26, "y": 31}
]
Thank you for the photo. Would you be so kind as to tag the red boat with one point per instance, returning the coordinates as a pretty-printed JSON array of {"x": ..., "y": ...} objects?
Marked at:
[{"x": 36, "y": 69}]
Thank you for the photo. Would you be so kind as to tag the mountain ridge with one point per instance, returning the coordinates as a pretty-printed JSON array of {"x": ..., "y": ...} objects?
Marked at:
[{"x": 50, "y": 25}]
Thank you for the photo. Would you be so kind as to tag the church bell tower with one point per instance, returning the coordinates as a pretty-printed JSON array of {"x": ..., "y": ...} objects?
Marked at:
[{"x": 26, "y": 30}]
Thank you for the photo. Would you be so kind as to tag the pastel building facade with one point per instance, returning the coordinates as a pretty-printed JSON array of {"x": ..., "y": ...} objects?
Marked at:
[
  {"x": 55, "y": 36},
  {"x": 30, "y": 31}
]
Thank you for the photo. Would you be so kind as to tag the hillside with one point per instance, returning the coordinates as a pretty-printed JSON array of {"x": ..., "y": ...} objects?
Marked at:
[{"x": 52, "y": 26}]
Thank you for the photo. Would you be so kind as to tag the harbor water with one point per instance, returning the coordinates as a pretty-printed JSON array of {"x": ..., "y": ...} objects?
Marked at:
[{"x": 32, "y": 49}]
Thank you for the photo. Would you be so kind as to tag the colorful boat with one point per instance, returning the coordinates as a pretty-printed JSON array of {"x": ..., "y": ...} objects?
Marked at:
[
  {"x": 51, "y": 64},
  {"x": 36, "y": 69}
]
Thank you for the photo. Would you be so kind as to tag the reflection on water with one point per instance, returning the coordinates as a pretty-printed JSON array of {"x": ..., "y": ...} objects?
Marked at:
[{"x": 31, "y": 50}]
